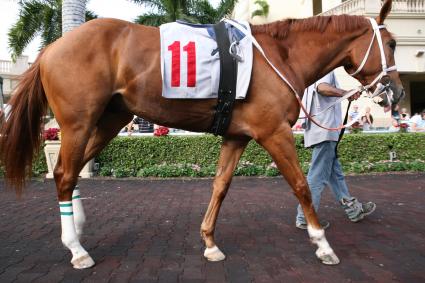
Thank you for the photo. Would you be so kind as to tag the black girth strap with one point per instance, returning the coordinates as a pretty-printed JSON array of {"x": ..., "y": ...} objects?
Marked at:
[{"x": 227, "y": 85}]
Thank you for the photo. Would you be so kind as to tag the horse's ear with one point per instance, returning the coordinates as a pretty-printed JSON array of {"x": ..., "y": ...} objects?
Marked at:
[{"x": 385, "y": 10}]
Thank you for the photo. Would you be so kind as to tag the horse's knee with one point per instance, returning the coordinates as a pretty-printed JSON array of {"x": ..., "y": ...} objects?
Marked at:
[
  {"x": 65, "y": 184},
  {"x": 57, "y": 173},
  {"x": 220, "y": 188},
  {"x": 302, "y": 191}
]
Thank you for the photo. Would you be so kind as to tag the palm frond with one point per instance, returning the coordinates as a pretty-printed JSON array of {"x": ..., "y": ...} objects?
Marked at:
[
  {"x": 225, "y": 8},
  {"x": 264, "y": 9},
  {"x": 189, "y": 18},
  {"x": 90, "y": 15},
  {"x": 195, "y": 11},
  {"x": 205, "y": 12},
  {"x": 26, "y": 28},
  {"x": 152, "y": 4},
  {"x": 50, "y": 30},
  {"x": 151, "y": 19}
]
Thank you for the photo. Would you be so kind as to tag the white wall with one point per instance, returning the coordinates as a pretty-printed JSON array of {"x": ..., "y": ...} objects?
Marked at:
[{"x": 279, "y": 9}]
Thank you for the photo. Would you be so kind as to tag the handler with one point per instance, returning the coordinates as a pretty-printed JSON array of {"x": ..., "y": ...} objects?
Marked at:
[{"x": 325, "y": 167}]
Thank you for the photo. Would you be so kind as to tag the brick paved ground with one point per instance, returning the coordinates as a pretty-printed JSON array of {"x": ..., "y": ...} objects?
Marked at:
[{"x": 148, "y": 231}]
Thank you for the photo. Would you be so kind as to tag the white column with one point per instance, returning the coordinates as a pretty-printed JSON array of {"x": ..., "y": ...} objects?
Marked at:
[{"x": 73, "y": 14}]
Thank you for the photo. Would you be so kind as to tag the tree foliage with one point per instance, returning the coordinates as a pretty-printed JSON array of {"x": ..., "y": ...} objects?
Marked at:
[
  {"x": 37, "y": 17},
  {"x": 194, "y": 11},
  {"x": 264, "y": 9}
]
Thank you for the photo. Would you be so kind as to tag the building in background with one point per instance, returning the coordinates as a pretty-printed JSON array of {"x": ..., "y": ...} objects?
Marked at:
[
  {"x": 10, "y": 73},
  {"x": 406, "y": 21}
]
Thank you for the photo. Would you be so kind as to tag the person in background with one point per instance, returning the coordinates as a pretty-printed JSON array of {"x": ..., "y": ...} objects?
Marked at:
[
  {"x": 417, "y": 122},
  {"x": 325, "y": 169},
  {"x": 367, "y": 119},
  {"x": 353, "y": 115},
  {"x": 143, "y": 126},
  {"x": 404, "y": 116}
]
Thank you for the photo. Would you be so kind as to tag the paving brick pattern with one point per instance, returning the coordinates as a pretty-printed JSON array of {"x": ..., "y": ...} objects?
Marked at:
[{"x": 148, "y": 231}]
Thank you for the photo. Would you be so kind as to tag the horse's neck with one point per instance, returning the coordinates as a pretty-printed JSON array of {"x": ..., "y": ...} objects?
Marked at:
[{"x": 315, "y": 54}]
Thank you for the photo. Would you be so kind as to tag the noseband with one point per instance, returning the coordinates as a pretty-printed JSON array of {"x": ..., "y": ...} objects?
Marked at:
[{"x": 382, "y": 89}]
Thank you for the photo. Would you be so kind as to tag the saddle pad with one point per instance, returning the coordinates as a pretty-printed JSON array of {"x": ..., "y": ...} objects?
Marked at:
[{"x": 190, "y": 63}]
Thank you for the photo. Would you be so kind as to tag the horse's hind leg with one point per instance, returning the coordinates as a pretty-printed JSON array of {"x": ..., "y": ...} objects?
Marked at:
[
  {"x": 281, "y": 146},
  {"x": 108, "y": 126},
  {"x": 69, "y": 165},
  {"x": 231, "y": 151}
]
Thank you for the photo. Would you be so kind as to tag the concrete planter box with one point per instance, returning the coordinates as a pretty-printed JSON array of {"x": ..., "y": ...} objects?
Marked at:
[{"x": 51, "y": 149}]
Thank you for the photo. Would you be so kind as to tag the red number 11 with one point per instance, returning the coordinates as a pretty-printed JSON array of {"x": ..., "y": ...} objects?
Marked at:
[{"x": 175, "y": 63}]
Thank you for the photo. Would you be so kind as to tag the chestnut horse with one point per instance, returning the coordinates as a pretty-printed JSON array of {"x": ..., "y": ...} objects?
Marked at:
[{"x": 97, "y": 76}]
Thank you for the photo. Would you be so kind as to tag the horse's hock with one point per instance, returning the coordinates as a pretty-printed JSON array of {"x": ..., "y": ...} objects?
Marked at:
[{"x": 51, "y": 150}]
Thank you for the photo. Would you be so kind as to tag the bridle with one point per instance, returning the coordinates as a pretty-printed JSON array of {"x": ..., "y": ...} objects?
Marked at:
[{"x": 381, "y": 88}]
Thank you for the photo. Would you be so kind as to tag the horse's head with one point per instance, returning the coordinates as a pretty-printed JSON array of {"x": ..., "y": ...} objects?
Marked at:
[{"x": 372, "y": 62}]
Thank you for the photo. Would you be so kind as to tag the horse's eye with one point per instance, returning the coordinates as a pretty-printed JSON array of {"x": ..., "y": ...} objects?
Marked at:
[{"x": 392, "y": 44}]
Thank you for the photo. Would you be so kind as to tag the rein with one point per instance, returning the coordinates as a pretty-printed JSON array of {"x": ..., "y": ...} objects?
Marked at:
[{"x": 380, "y": 88}]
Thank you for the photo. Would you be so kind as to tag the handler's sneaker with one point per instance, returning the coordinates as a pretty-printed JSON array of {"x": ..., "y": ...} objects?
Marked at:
[
  {"x": 356, "y": 210},
  {"x": 300, "y": 225}
]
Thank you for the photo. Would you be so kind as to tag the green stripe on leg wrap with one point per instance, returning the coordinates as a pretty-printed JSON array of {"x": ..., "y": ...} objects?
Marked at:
[
  {"x": 65, "y": 204},
  {"x": 67, "y": 213},
  {"x": 76, "y": 197}
]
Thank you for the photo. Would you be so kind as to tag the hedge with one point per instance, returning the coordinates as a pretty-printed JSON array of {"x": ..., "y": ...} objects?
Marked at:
[
  {"x": 196, "y": 156},
  {"x": 173, "y": 156}
]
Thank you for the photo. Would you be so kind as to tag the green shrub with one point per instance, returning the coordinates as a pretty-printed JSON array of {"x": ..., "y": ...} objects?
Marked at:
[
  {"x": 196, "y": 156},
  {"x": 173, "y": 156}
]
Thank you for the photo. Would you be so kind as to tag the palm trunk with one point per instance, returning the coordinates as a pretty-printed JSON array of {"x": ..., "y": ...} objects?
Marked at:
[{"x": 73, "y": 14}]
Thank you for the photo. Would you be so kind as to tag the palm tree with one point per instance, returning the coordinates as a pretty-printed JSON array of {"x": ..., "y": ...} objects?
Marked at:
[
  {"x": 36, "y": 17},
  {"x": 196, "y": 11},
  {"x": 73, "y": 14},
  {"x": 206, "y": 13}
]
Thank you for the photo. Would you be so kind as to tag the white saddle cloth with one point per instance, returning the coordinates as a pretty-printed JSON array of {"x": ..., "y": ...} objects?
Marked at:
[{"x": 190, "y": 63}]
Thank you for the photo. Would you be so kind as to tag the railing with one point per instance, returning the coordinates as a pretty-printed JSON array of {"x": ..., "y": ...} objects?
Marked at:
[
  {"x": 409, "y": 6},
  {"x": 361, "y": 7},
  {"x": 5, "y": 66},
  {"x": 352, "y": 7}
]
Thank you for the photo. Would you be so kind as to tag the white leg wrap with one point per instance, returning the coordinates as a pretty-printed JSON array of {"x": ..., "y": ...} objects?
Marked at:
[
  {"x": 80, "y": 257},
  {"x": 79, "y": 215},
  {"x": 324, "y": 251}
]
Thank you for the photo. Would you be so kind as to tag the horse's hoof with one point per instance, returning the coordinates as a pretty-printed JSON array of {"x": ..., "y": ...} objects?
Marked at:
[
  {"x": 214, "y": 254},
  {"x": 328, "y": 258},
  {"x": 82, "y": 262}
]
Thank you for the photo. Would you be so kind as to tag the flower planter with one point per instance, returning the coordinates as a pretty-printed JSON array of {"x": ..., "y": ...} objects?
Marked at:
[{"x": 51, "y": 149}]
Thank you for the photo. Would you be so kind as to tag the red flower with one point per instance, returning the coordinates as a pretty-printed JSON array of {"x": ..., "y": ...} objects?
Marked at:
[
  {"x": 161, "y": 131},
  {"x": 51, "y": 134}
]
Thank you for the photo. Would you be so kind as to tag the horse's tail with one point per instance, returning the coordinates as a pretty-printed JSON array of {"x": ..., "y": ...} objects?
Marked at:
[{"x": 20, "y": 133}]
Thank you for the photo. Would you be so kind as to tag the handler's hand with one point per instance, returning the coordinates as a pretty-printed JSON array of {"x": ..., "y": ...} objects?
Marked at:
[{"x": 354, "y": 96}]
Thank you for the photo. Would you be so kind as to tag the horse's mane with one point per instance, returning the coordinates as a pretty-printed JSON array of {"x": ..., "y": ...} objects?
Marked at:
[{"x": 339, "y": 24}]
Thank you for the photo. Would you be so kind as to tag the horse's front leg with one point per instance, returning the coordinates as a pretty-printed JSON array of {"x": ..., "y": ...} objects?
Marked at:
[
  {"x": 281, "y": 146},
  {"x": 231, "y": 151}
]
